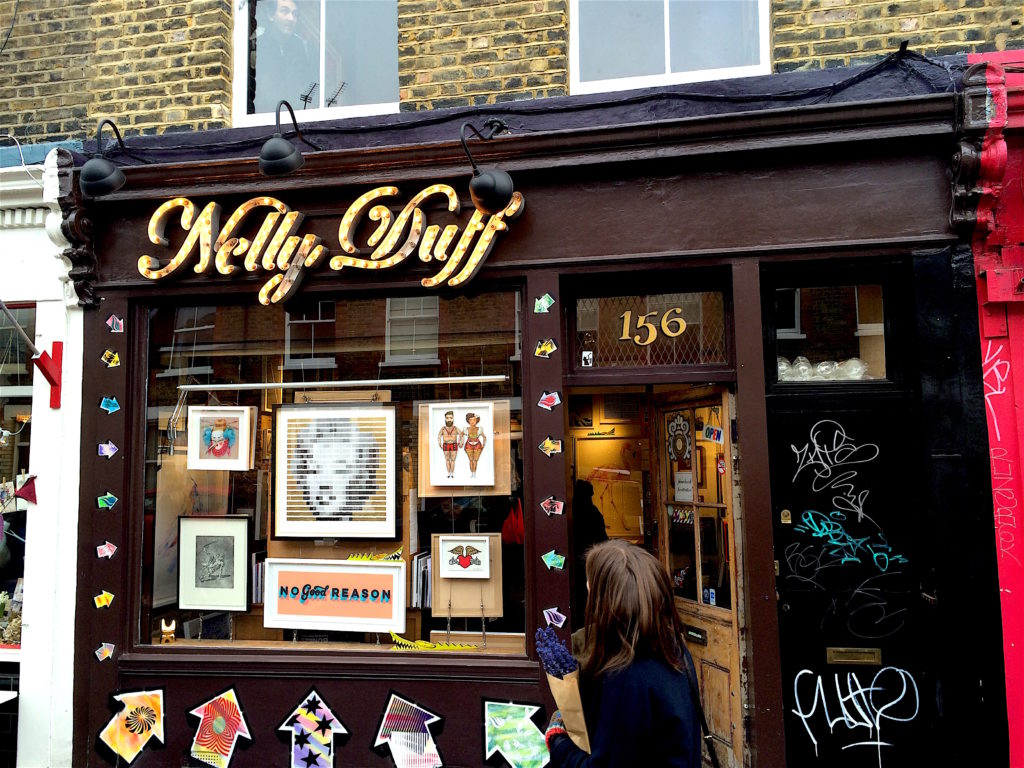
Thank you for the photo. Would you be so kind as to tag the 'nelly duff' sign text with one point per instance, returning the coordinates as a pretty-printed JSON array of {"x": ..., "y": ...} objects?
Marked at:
[
  {"x": 278, "y": 247},
  {"x": 346, "y": 595}
]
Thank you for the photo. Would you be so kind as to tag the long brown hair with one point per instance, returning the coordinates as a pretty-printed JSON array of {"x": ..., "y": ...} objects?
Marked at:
[{"x": 630, "y": 610}]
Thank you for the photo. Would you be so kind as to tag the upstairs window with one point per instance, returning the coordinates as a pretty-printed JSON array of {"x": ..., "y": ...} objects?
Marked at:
[
  {"x": 327, "y": 58},
  {"x": 620, "y": 44}
]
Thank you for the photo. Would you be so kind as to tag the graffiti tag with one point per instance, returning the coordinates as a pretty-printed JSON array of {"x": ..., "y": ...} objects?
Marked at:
[{"x": 829, "y": 455}]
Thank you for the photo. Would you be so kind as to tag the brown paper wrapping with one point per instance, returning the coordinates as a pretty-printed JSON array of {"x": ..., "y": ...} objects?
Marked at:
[{"x": 566, "y": 692}]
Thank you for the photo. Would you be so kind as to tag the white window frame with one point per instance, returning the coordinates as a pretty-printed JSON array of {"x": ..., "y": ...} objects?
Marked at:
[
  {"x": 794, "y": 331},
  {"x": 413, "y": 359},
  {"x": 239, "y": 82},
  {"x": 307, "y": 363},
  {"x": 182, "y": 340},
  {"x": 577, "y": 86}
]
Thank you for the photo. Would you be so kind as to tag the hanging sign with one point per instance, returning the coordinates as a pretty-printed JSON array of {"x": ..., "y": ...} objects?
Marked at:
[
  {"x": 714, "y": 434},
  {"x": 277, "y": 246}
]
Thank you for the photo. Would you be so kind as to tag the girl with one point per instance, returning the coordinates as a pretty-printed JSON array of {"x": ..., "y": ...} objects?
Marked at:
[{"x": 637, "y": 699}]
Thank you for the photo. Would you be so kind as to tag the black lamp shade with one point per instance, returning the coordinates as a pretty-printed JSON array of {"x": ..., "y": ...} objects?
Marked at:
[
  {"x": 491, "y": 191},
  {"x": 279, "y": 157},
  {"x": 100, "y": 177}
]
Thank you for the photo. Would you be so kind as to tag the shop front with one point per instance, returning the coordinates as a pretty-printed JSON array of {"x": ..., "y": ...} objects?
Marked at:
[{"x": 346, "y": 438}]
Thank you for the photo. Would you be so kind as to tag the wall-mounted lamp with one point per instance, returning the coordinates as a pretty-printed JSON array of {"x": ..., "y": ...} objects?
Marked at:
[
  {"x": 279, "y": 156},
  {"x": 491, "y": 191},
  {"x": 99, "y": 176}
]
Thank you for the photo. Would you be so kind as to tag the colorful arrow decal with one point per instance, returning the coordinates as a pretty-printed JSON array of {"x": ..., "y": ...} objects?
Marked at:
[
  {"x": 553, "y": 617},
  {"x": 552, "y": 506},
  {"x": 107, "y": 449},
  {"x": 548, "y": 400},
  {"x": 221, "y": 724},
  {"x": 550, "y": 446},
  {"x": 106, "y": 501},
  {"x": 140, "y": 719},
  {"x": 111, "y": 359},
  {"x": 104, "y": 652},
  {"x": 542, "y": 304},
  {"x": 312, "y": 725},
  {"x": 115, "y": 324},
  {"x": 110, "y": 405},
  {"x": 103, "y": 599},
  {"x": 508, "y": 729},
  {"x": 106, "y": 549},
  {"x": 553, "y": 560},
  {"x": 545, "y": 348},
  {"x": 405, "y": 730}
]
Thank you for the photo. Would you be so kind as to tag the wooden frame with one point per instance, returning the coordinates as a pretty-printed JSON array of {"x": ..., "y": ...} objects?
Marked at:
[
  {"x": 470, "y": 556},
  {"x": 467, "y": 598},
  {"x": 213, "y": 563},
  {"x": 699, "y": 457},
  {"x": 500, "y": 438},
  {"x": 221, "y": 437}
]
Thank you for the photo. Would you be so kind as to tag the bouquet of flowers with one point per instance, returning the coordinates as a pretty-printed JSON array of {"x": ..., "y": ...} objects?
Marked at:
[{"x": 563, "y": 677}]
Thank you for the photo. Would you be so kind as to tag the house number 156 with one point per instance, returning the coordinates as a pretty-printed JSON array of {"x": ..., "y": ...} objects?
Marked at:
[{"x": 672, "y": 325}]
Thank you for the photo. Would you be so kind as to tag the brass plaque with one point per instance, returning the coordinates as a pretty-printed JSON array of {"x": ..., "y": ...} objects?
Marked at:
[
  {"x": 787, "y": 517},
  {"x": 871, "y": 656}
]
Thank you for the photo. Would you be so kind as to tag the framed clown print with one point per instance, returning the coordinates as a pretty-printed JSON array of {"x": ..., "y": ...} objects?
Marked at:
[{"x": 221, "y": 437}]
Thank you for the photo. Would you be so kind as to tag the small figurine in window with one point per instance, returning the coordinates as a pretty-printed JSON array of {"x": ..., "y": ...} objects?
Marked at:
[
  {"x": 450, "y": 439},
  {"x": 475, "y": 440}
]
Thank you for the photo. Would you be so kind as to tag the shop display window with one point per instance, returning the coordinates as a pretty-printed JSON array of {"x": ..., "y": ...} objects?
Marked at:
[{"x": 303, "y": 490}]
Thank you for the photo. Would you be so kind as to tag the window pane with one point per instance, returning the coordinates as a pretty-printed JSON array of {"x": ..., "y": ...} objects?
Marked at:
[
  {"x": 682, "y": 546},
  {"x": 285, "y": 54},
  {"x": 361, "y": 54},
  {"x": 714, "y": 558},
  {"x": 621, "y": 38},
  {"x": 15, "y": 370},
  {"x": 712, "y": 34}
]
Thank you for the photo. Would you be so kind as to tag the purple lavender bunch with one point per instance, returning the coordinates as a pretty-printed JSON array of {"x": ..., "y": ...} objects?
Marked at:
[{"x": 554, "y": 654}]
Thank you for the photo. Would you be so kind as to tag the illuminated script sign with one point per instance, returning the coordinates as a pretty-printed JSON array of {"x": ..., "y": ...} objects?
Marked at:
[{"x": 278, "y": 246}]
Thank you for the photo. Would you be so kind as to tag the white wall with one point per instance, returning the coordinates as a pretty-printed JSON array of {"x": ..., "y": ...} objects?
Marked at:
[{"x": 32, "y": 271}]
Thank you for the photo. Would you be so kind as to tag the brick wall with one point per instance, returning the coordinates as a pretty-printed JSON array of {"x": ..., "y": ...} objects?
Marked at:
[
  {"x": 465, "y": 52},
  {"x": 835, "y": 33}
]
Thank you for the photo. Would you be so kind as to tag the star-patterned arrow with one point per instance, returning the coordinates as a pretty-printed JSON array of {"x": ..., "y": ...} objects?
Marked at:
[
  {"x": 405, "y": 730},
  {"x": 115, "y": 324},
  {"x": 140, "y": 719},
  {"x": 106, "y": 549},
  {"x": 552, "y": 506},
  {"x": 554, "y": 617},
  {"x": 542, "y": 304},
  {"x": 104, "y": 652},
  {"x": 509, "y": 730},
  {"x": 544, "y": 348},
  {"x": 221, "y": 724},
  {"x": 553, "y": 560},
  {"x": 110, "y": 405},
  {"x": 548, "y": 400},
  {"x": 106, "y": 501},
  {"x": 103, "y": 599},
  {"x": 107, "y": 449},
  {"x": 312, "y": 726},
  {"x": 550, "y": 446},
  {"x": 111, "y": 359}
]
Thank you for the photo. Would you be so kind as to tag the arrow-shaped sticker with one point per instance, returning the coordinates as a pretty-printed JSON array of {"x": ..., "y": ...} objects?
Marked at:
[
  {"x": 552, "y": 506},
  {"x": 115, "y": 324},
  {"x": 103, "y": 599},
  {"x": 550, "y": 446},
  {"x": 104, "y": 652},
  {"x": 107, "y": 449},
  {"x": 542, "y": 304},
  {"x": 553, "y": 560},
  {"x": 554, "y": 617},
  {"x": 221, "y": 725},
  {"x": 107, "y": 500},
  {"x": 110, "y": 405},
  {"x": 106, "y": 549},
  {"x": 312, "y": 726},
  {"x": 545, "y": 348},
  {"x": 140, "y": 719},
  {"x": 111, "y": 358},
  {"x": 548, "y": 400},
  {"x": 509, "y": 729},
  {"x": 405, "y": 730}
]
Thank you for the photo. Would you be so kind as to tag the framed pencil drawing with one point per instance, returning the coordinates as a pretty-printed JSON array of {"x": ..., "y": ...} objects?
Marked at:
[
  {"x": 213, "y": 563},
  {"x": 221, "y": 437},
  {"x": 334, "y": 471}
]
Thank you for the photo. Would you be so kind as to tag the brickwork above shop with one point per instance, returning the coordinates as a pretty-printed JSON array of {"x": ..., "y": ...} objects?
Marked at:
[{"x": 813, "y": 34}]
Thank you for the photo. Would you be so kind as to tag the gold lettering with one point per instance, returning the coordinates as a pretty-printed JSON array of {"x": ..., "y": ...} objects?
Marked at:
[
  {"x": 228, "y": 245},
  {"x": 486, "y": 242},
  {"x": 201, "y": 232}
]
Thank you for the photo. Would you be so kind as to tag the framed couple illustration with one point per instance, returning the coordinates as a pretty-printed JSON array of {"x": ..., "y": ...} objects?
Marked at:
[{"x": 464, "y": 448}]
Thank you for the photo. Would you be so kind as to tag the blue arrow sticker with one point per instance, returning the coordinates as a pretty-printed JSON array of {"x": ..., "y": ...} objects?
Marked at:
[{"x": 110, "y": 405}]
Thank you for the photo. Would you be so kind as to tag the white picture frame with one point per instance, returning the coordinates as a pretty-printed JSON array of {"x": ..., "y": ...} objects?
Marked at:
[
  {"x": 336, "y": 610},
  {"x": 220, "y": 437},
  {"x": 213, "y": 563},
  {"x": 334, "y": 471},
  {"x": 464, "y": 556},
  {"x": 474, "y": 441}
]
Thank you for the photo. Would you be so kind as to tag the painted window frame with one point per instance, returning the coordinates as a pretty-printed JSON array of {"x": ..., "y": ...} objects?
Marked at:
[
  {"x": 391, "y": 358},
  {"x": 578, "y": 86}
]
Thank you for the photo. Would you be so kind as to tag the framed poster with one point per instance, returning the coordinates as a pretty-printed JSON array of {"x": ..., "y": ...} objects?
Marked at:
[
  {"x": 464, "y": 448},
  {"x": 213, "y": 563},
  {"x": 343, "y": 595},
  {"x": 221, "y": 437},
  {"x": 464, "y": 557},
  {"x": 334, "y": 471},
  {"x": 466, "y": 598}
]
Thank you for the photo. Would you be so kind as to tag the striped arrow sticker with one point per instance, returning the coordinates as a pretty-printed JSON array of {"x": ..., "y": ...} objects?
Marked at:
[
  {"x": 106, "y": 501},
  {"x": 106, "y": 549},
  {"x": 103, "y": 599},
  {"x": 107, "y": 449}
]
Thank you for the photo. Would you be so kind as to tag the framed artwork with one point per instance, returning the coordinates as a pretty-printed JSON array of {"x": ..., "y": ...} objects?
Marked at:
[
  {"x": 466, "y": 598},
  {"x": 213, "y": 563},
  {"x": 464, "y": 557},
  {"x": 343, "y": 595},
  {"x": 334, "y": 471},
  {"x": 464, "y": 448},
  {"x": 221, "y": 437}
]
